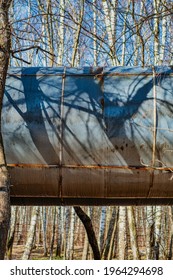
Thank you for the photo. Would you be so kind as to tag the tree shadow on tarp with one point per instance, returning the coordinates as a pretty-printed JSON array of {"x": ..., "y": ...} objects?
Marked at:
[{"x": 95, "y": 107}]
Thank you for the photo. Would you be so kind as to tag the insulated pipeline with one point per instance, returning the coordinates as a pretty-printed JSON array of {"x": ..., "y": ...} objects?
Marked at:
[{"x": 94, "y": 135}]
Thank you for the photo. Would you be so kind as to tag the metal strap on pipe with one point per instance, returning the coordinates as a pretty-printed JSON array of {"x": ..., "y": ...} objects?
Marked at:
[
  {"x": 61, "y": 132},
  {"x": 154, "y": 133},
  {"x": 154, "y": 117}
]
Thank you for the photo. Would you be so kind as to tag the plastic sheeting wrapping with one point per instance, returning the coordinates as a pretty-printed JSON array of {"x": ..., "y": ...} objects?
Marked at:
[{"x": 90, "y": 135}]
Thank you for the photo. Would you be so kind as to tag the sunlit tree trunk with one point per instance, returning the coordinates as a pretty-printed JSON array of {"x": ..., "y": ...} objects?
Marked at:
[
  {"x": 12, "y": 230},
  {"x": 67, "y": 231},
  {"x": 170, "y": 243},
  {"x": 102, "y": 227},
  {"x": 109, "y": 240},
  {"x": 149, "y": 232},
  {"x": 164, "y": 36},
  {"x": 5, "y": 38},
  {"x": 110, "y": 11},
  {"x": 53, "y": 231},
  {"x": 124, "y": 43},
  {"x": 133, "y": 233},
  {"x": 139, "y": 53},
  {"x": 156, "y": 32},
  {"x": 85, "y": 248},
  {"x": 157, "y": 231},
  {"x": 70, "y": 245},
  {"x": 21, "y": 221},
  {"x": 44, "y": 226},
  {"x": 77, "y": 34},
  {"x": 48, "y": 28},
  {"x": 61, "y": 32},
  {"x": 122, "y": 232},
  {"x": 31, "y": 234},
  {"x": 95, "y": 32},
  {"x": 61, "y": 213}
]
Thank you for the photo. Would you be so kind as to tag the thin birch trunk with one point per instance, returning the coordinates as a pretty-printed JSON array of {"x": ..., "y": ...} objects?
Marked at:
[
  {"x": 157, "y": 236},
  {"x": 102, "y": 227},
  {"x": 110, "y": 11},
  {"x": 44, "y": 226},
  {"x": 61, "y": 32},
  {"x": 124, "y": 34},
  {"x": 77, "y": 35},
  {"x": 53, "y": 231},
  {"x": 170, "y": 245},
  {"x": 156, "y": 4},
  {"x": 95, "y": 32},
  {"x": 133, "y": 233},
  {"x": 31, "y": 234},
  {"x": 139, "y": 54},
  {"x": 163, "y": 39},
  {"x": 47, "y": 28},
  {"x": 70, "y": 247},
  {"x": 108, "y": 246},
  {"x": 22, "y": 216},
  {"x": 11, "y": 234},
  {"x": 61, "y": 231},
  {"x": 122, "y": 233},
  {"x": 149, "y": 232},
  {"x": 163, "y": 234},
  {"x": 85, "y": 248},
  {"x": 67, "y": 231}
]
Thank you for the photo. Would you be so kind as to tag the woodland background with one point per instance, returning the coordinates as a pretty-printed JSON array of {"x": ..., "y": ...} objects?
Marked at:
[{"x": 89, "y": 33}]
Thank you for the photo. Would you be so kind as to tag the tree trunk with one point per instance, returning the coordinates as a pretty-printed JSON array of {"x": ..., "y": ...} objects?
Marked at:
[
  {"x": 157, "y": 232},
  {"x": 133, "y": 233},
  {"x": 90, "y": 232},
  {"x": 156, "y": 31},
  {"x": 12, "y": 232},
  {"x": 31, "y": 234},
  {"x": 5, "y": 37},
  {"x": 53, "y": 231},
  {"x": 70, "y": 245},
  {"x": 61, "y": 29},
  {"x": 108, "y": 247},
  {"x": 44, "y": 226},
  {"x": 149, "y": 232},
  {"x": 122, "y": 233},
  {"x": 77, "y": 35},
  {"x": 61, "y": 230}
]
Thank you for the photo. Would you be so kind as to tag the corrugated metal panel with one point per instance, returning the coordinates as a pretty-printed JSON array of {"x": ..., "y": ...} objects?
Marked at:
[{"x": 89, "y": 134}]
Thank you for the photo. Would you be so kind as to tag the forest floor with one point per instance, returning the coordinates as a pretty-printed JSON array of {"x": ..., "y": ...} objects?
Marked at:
[{"x": 38, "y": 253}]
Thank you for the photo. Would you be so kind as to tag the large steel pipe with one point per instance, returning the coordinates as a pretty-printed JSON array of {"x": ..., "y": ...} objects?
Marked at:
[{"x": 90, "y": 135}]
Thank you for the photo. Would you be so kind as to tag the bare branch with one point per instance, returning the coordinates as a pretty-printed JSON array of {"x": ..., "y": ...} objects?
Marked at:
[{"x": 30, "y": 48}]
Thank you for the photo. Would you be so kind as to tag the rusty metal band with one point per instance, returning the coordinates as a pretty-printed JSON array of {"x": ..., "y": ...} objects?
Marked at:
[
  {"x": 154, "y": 117},
  {"x": 154, "y": 129},
  {"x": 125, "y": 167},
  {"x": 61, "y": 132}
]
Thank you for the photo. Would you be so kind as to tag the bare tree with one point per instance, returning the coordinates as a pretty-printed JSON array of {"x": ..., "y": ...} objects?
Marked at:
[
  {"x": 90, "y": 232},
  {"x": 5, "y": 39}
]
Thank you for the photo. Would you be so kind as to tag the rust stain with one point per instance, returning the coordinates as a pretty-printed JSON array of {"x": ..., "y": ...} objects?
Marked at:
[
  {"x": 28, "y": 165},
  {"x": 170, "y": 169},
  {"x": 96, "y": 71}
]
